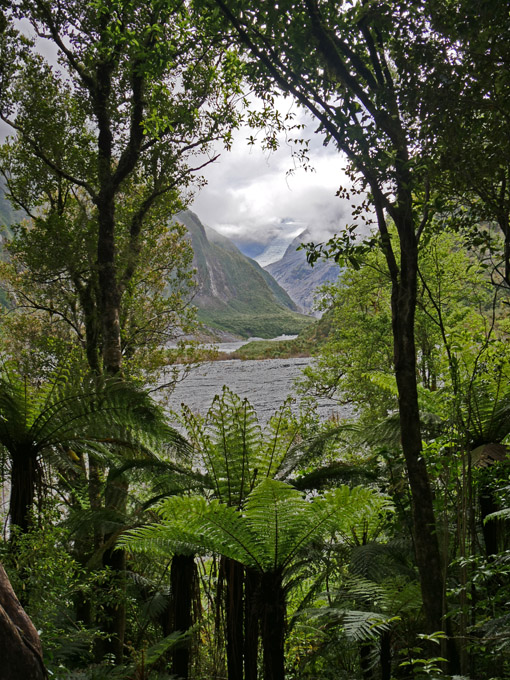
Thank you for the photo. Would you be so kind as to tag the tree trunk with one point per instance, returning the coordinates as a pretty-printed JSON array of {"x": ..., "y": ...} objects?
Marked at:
[
  {"x": 114, "y": 614},
  {"x": 489, "y": 529},
  {"x": 24, "y": 478},
  {"x": 403, "y": 303},
  {"x": 109, "y": 288},
  {"x": 20, "y": 647},
  {"x": 251, "y": 624},
  {"x": 272, "y": 601},
  {"x": 234, "y": 576},
  {"x": 182, "y": 581},
  {"x": 385, "y": 655},
  {"x": 365, "y": 650}
]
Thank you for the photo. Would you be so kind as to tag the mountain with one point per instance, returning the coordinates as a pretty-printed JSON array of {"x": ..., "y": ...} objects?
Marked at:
[
  {"x": 8, "y": 215},
  {"x": 274, "y": 251},
  {"x": 234, "y": 293},
  {"x": 298, "y": 278}
]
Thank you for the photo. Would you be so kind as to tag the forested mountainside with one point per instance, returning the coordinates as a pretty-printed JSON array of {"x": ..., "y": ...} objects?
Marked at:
[
  {"x": 298, "y": 278},
  {"x": 7, "y": 213},
  {"x": 234, "y": 293}
]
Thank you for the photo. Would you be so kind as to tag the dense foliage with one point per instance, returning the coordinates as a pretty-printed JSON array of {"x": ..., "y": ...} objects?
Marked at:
[{"x": 375, "y": 549}]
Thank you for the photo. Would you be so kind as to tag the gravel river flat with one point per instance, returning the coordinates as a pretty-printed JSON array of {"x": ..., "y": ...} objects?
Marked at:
[{"x": 265, "y": 383}]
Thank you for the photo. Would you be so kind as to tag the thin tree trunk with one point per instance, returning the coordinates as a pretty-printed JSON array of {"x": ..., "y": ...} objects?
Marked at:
[
  {"x": 251, "y": 624},
  {"x": 428, "y": 556},
  {"x": 489, "y": 529},
  {"x": 425, "y": 537},
  {"x": 403, "y": 304},
  {"x": 385, "y": 655},
  {"x": 115, "y": 613},
  {"x": 364, "y": 657},
  {"x": 109, "y": 288}
]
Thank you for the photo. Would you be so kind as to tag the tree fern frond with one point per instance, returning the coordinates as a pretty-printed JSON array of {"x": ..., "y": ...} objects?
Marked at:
[
  {"x": 361, "y": 513},
  {"x": 357, "y": 625},
  {"x": 362, "y": 626},
  {"x": 378, "y": 561},
  {"x": 282, "y": 443},
  {"x": 236, "y": 438},
  {"x": 201, "y": 526},
  {"x": 366, "y": 592},
  {"x": 81, "y": 522},
  {"x": 279, "y": 515},
  {"x": 332, "y": 474},
  {"x": 155, "y": 605}
]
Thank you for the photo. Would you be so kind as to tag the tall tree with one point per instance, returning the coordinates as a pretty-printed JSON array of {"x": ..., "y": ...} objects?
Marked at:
[
  {"x": 336, "y": 60},
  {"x": 111, "y": 137},
  {"x": 461, "y": 77},
  {"x": 50, "y": 279},
  {"x": 112, "y": 134}
]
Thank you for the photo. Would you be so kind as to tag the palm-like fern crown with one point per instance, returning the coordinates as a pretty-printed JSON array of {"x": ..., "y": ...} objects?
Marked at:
[
  {"x": 234, "y": 450},
  {"x": 487, "y": 414},
  {"x": 274, "y": 524},
  {"x": 82, "y": 413}
]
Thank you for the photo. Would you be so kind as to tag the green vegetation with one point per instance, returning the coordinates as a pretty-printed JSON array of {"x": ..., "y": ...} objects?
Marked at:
[
  {"x": 252, "y": 323},
  {"x": 143, "y": 545},
  {"x": 308, "y": 343}
]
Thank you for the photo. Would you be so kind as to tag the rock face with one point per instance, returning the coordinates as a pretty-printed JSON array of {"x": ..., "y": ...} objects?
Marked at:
[
  {"x": 298, "y": 278},
  {"x": 234, "y": 293}
]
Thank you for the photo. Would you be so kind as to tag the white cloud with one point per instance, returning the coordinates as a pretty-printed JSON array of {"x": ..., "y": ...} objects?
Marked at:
[{"x": 250, "y": 192}]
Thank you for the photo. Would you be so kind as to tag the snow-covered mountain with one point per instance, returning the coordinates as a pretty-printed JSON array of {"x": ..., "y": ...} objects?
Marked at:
[
  {"x": 275, "y": 250},
  {"x": 298, "y": 278}
]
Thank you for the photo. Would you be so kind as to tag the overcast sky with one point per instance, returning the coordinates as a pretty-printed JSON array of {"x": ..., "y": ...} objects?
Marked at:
[{"x": 250, "y": 195}]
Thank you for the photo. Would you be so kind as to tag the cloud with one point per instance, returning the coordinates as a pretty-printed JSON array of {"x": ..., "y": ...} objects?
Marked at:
[{"x": 252, "y": 197}]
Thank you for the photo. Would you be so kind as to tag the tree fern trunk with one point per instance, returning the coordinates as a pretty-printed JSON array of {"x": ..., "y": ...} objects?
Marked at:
[
  {"x": 234, "y": 573},
  {"x": 251, "y": 625},
  {"x": 24, "y": 478},
  {"x": 365, "y": 661},
  {"x": 385, "y": 655},
  {"x": 272, "y": 601},
  {"x": 182, "y": 579}
]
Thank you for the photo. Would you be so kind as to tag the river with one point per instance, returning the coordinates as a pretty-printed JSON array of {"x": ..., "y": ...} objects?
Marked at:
[{"x": 265, "y": 383}]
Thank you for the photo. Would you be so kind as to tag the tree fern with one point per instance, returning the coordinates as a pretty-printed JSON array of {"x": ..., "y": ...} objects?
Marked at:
[
  {"x": 274, "y": 524},
  {"x": 70, "y": 416}
]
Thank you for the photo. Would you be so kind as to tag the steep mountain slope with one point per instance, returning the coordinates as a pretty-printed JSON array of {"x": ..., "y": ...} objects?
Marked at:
[
  {"x": 275, "y": 250},
  {"x": 234, "y": 293},
  {"x": 298, "y": 278},
  {"x": 8, "y": 215}
]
